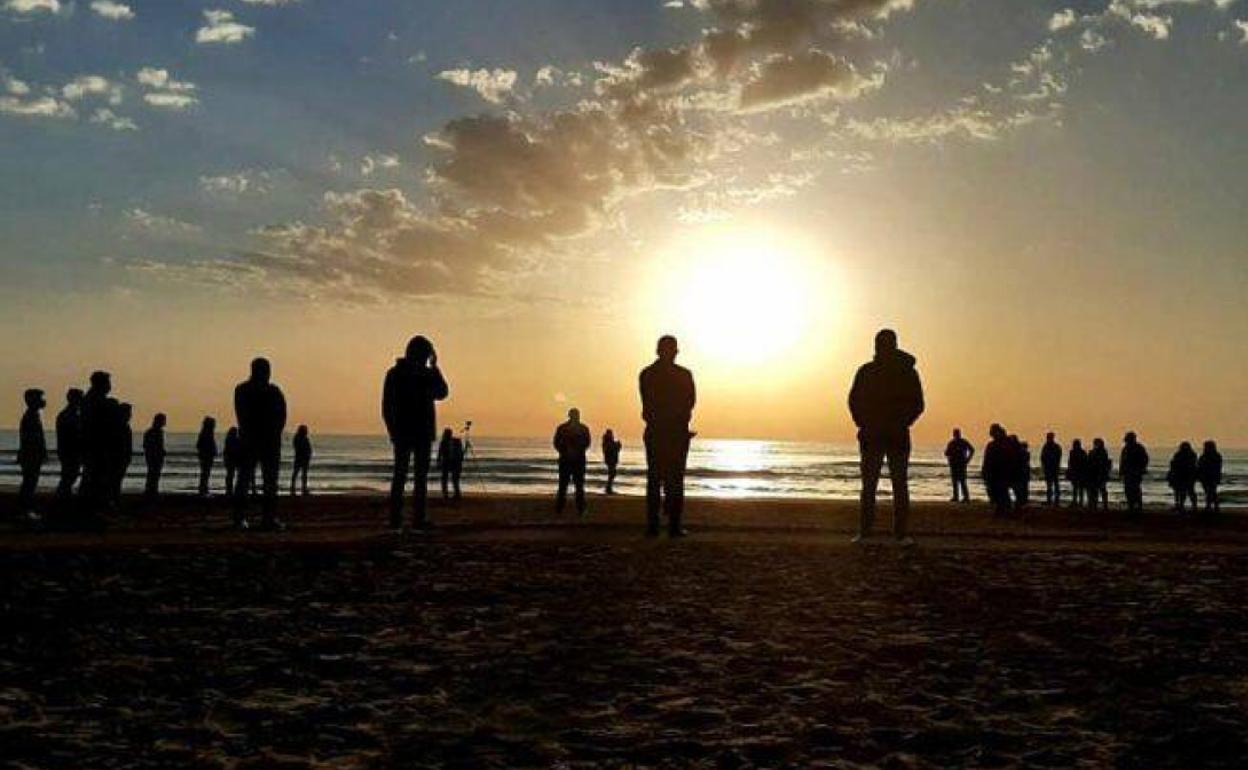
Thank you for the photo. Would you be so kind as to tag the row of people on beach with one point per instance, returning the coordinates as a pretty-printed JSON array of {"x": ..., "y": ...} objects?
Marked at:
[{"x": 1007, "y": 472}]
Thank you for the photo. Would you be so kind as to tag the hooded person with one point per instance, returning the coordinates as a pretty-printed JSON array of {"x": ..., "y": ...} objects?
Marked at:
[
  {"x": 260, "y": 408},
  {"x": 412, "y": 388},
  {"x": 885, "y": 400}
]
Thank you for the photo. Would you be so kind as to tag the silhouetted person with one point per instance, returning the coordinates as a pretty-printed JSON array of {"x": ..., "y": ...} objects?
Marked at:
[
  {"x": 572, "y": 440},
  {"x": 32, "y": 453},
  {"x": 1099, "y": 469},
  {"x": 1051, "y": 467},
  {"x": 69, "y": 443},
  {"x": 231, "y": 456},
  {"x": 1182, "y": 477},
  {"x": 100, "y": 415},
  {"x": 1133, "y": 467},
  {"x": 999, "y": 469},
  {"x": 611, "y": 447},
  {"x": 303, "y": 459},
  {"x": 260, "y": 409},
  {"x": 450, "y": 463},
  {"x": 122, "y": 453},
  {"x": 1209, "y": 473},
  {"x": 958, "y": 452},
  {"x": 668, "y": 396},
  {"x": 154, "y": 455},
  {"x": 206, "y": 453},
  {"x": 885, "y": 400},
  {"x": 1077, "y": 473},
  {"x": 1022, "y": 472},
  {"x": 412, "y": 387}
]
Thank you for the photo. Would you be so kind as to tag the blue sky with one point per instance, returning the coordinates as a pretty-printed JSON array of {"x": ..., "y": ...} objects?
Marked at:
[{"x": 1054, "y": 171}]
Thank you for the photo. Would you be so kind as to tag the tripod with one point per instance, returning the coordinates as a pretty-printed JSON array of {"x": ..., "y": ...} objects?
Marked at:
[{"x": 470, "y": 457}]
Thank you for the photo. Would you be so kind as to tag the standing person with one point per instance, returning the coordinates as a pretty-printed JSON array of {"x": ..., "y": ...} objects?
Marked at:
[
  {"x": 122, "y": 453},
  {"x": 206, "y": 453},
  {"x": 412, "y": 387},
  {"x": 1022, "y": 472},
  {"x": 69, "y": 443},
  {"x": 885, "y": 400},
  {"x": 572, "y": 440},
  {"x": 1077, "y": 473},
  {"x": 1209, "y": 473},
  {"x": 450, "y": 462},
  {"x": 1051, "y": 466},
  {"x": 997, "y": 469},
  {"x": 260, "y": 409},
  {"x": 1099, "y": 469},
  {"x": 100, "y": 414},
  {"x": 303, "y": 459},
  {"x": 668, "y": 396},
  {"x": 959, "y": 453},
  {"x": 611, "y": 447},
  {"x": 1182, "y": 477},
  {"x": 1133, "y": 467},
  {"x": 154, "y": 454},
  {"x": 231, "y": 455},
  {"x": 32, "y": 452}
]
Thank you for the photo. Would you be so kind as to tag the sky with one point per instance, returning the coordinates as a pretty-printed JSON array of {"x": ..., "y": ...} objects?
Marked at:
[{"x": 1045, "y": 199}]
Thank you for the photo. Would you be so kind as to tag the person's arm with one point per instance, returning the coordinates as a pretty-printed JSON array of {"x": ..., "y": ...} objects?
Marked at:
[
  {"x": 643, "y": 390},
  {"x": 439, "y": 389},
  {"x": 281, "y": 409},
  {"x": 917, "y": 404},
  {"x": 388, "y": 398},
  {"x": 239, "y": 407},
  {"x": 970, "y": 452},
  {"x": 855, "y": 399}
]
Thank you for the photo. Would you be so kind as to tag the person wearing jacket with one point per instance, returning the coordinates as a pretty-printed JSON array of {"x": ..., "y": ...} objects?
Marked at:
[
  {"x": 885, "y": 400},
  {"x": 100, "y": 415},
  {"x": 69, "y": 443},
  {"x": 1051, "y": 467},
  {"x": 668, "y": 396},
  {"x": 1182, "y": 477},
  {"x": 154, "y": 455},
  {"x": 121, "y": 453},
  {"x": 1099, "y": 469},
  {"x": 572, "y": 440},
  {"x": 260, "y": 408},
  {"x": 408, "y": 407},
  {"x": 1133, "y": 467},
  {"x": 231, "y": 456},
  {"x": 1209, "y": 473},
  {"x": 1077, "y": 473},
  {"x": 958, "y": 452},
  {"x": 611, "y": 447},
  {"x": 32, "y": 452},
  {"x": 303, "y": 460},
  {"x": 998, "y": 469},
  {"x": 206, "y": 453}
]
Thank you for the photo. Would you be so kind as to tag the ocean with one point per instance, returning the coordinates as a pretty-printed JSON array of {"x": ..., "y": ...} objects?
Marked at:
[{"x": 731, "y": 468}]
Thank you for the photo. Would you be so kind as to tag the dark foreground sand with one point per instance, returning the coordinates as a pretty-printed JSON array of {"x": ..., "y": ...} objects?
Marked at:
[{"x": 510, "y": 639}]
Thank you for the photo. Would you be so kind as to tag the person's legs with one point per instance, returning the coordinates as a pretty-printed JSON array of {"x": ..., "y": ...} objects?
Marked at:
[
  {"x": 205, "y": 471},
  {"x": 456, "y": 473},
  {"x": 303, "y": 479},
  {"x": 229, "y": 481},
  {"x": 654, "y": 479},
  {"x": 871, "y": 461},
  {"x": 561, "y": 493},
  {"x": 966, "y": 490},
  {"x": 30, "y": 483},
  {"x": 270, "y": 468},
  {"x": 398, "y": 480},
  {"x": 578, "y": 478},
  {"x": 246, "y": 471},
  {"x": 152, "y": 487},
  {"x": 953, "y": 480},
  {"x": 674, "y": 483},
  {"x": 899, "y": 474},
  {"x": 70, "y": 468},
  {"x": 420, "y": 495},
  {"x": 446, "y": 481},
  {"x": 611, "y": 470}
]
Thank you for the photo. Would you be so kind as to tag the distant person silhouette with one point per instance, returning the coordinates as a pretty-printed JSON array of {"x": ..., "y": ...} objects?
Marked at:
[
  {"x": 122, "y": 454},
  {"x": 1077, "y": 473},
  {"x": 572, "y": 440},
  {"x": 32, "y": 453},
  {"x": 206, "y": 453},
  {"x": 1133, "y": 467},
  {"x": 885, "y": 400},
  {"x": 1022, "y": 472},
  {"x": 450, "y": 463},
  {"x": 231, "y": 457},
  {"x": 154, "y": 455},
  {"x": 100, "y": 415},
  {"x": 1182, "y": 477},
  {"x": 999, "y": 469},
  {"x": 69, "y": 443},
  {"x": 412, "y": 387},
  {"x": 1051, "y": 467},
  {"x": 958, "y": 453},
  {"x": 302, "y": 446},
  {"x": 668, "y": 396},
  {"x": 611, "y": 447},
  {"x": 1099, "y": 469},
  {"x": 1209, "y": 473},
  {"x": 260, "y": 409}
]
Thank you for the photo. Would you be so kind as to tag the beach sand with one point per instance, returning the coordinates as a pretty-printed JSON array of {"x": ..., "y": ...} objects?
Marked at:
[{"x": 513, "y": 638}]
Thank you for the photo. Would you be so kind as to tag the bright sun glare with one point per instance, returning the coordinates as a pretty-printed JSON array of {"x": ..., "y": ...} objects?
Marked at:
[{"x": 743, "y": 295}]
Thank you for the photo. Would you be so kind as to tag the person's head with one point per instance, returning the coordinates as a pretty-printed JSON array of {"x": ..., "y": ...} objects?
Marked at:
[
  {"x": 447, "y": 433},
  {"x": 209, "y": 424},
  {"x": 610, "y": 433},
  {"x": 159, "y": 420},
  {"x": 419, "y": 350},
  {"x": 73, "y": 396},
  {"x": 996, "y": 432},
  {"x": 1186, "y": 447},
  {"x": 574, "y": 414},
  {"x": 1098, "y": 443},
  {"x": 667, "y": 348},
  {"x": 1211, "y": 446},
  {"x": 126, "y": 411},
  {"x": 957, "y": 433},
  {"x": 261, "y": 370},
  {"x": 101, "y": 382},
  {"x": 302, "y": 430},
  {"x": 1129, "y": 438},
  {"x": 885, "y": 342},
  {"x": 232, "y": 433},
  {"x": 1076, "y": 444},
  {"x": 1050, "y": 436},
  {"x": 34, "y": 398}
]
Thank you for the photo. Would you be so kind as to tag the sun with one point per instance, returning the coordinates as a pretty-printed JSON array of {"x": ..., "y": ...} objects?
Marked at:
[{"x": 743, "y": 295}]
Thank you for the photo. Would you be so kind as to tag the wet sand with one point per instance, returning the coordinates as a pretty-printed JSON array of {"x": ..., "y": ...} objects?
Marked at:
[{"x": 512, "y": 638}]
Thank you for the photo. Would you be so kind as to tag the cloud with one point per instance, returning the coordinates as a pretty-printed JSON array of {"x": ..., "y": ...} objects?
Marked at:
[
  {"x": 92, "y": 85},
  {"x": 112, "y": 10},
  {"x": 158, "y": 226},
  {"x": 164, "y": 91},
  {"x": 550, "y": 76},
  {"x": 32, "y": 7},
  {"x": 270, "y": 2},
  {"x": 490, "y": 85},
  {"x": 1062, "y": 19},
  {"x": 1241, "y": 26},
  {"x": 237, "y": 184},
  {"x": 37, "y": 107},
  {"x": 15, "y": 86},
  {"x": 220, "y": 27},
  {"x": 371, "y": 163},
  {"x": 107, "y": 117},
  {"x": 788, "y": 80}
]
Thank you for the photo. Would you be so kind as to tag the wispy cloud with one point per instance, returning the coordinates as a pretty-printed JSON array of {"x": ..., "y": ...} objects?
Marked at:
[
  {"x": 32, "y": 7},
  {"x": 165, "y": 92},
  {"x": 220, "y": 27},
  {"x": 112, "y": 10},
  {"x": 491, "y": 85}
]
